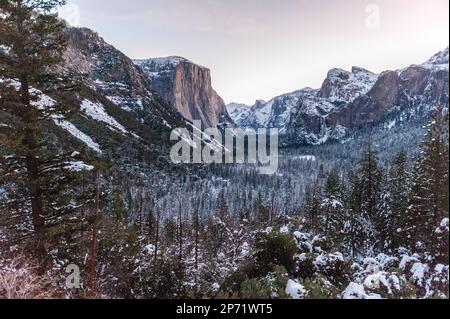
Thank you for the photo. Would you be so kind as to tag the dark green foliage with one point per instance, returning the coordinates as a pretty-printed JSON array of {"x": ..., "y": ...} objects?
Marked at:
[
  {"x": 428, "y": 200},
  {"x": 255, "y": 289},
  {"x": 164, "y": 280},
  {"x": 319, "y": 288},
  {"x": 274, "y": 249},
  {"x": 312, "y": 206},
  {"x": 396, "y": 200},
  {"x": 170, "y": 231},
  {"x": 37, "y": 175},
  {"x": 331, "y": 221},
  {"x": 363, "y": 214},
  {"x": 262, "y": 211},
  {"x": 118, "y": 208}
]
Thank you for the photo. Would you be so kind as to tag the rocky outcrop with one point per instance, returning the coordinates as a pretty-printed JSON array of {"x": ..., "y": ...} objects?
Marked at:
[
  {"x": 187, "y": 87},
  {"x": 342, "y": 86},
  {"x": 351, "y": 100},
  {"x": 101, "y": 66},
  {"x": 415, "y": 90},
  {"x": 237, "y": 111}
]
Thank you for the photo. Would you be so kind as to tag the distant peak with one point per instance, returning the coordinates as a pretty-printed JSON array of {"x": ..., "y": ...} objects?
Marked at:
[
  {"x": 439, "y": 58},
  {"x": 337, "y": 73},
  {"x": 345, "y": 75},
  {"x": 238, "y": 105},
  {"x": 357, "y": 70}
]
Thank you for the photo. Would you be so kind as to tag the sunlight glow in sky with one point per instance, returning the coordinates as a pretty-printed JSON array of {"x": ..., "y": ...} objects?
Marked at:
[{"x": 258, "y": 49}]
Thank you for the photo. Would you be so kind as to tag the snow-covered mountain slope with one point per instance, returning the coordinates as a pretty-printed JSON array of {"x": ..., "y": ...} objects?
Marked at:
[
  {"x": 343, "y": 87},
  {"x": 237, "y": 111},
  {"x": 438, "y": 60},
  {"x": 406, "y": 94},
  {"x": 118, "y": 116},
  {"x": 187, "y": 87},
  {"x": 112, "y": 74},
  {"x": 350, "y": 100}
]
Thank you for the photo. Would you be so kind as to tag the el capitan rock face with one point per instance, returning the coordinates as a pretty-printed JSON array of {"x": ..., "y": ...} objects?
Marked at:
[{"x": 187, "y": 87}]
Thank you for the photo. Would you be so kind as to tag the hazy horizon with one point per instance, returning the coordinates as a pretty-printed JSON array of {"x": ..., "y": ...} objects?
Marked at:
[{"x": 261, "y": 49}]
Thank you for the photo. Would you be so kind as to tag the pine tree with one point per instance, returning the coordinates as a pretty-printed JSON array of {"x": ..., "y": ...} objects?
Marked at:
[
  {"x": 196, "y": 229},
  {"x": 428, "y": 200},
  {"x": 370, "y": 177},
  {"x": 354, "y": 232},
  {"x": 36, "y": 177},
  {"x": 332, "y": 208},
  {"x": 395, "y": 199},
  {"x": 170, "y": 231},
  {"x": 386, "y": 222},
  {"x": 223, "y": 212},
  {"x": 180, "y": 233},
  {"x": 119, "y": 210},
  {"x": 312, "y": 207},
  {"x": 262, "y": 211},
  {"x": 365, "y": 199},
  {"x": 150, "y": 225}
]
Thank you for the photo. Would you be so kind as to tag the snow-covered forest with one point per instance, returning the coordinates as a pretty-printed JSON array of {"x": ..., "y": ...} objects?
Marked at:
[{"x": 91, "y": 207}]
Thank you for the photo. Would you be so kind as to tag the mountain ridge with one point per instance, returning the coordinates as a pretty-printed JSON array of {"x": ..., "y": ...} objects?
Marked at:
[{"x": 348, "y": 100}]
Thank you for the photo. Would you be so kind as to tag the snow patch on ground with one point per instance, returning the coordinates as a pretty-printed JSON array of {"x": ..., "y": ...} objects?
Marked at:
[
  {"x": 98, "y": 113},
  {"x": 78, "y": 166},
  {"x": 295, "y": 290},
  {"x": 74, "y": 131},
  {"x": 43, "y": 102},
  {"x": 357, "y": 291}
]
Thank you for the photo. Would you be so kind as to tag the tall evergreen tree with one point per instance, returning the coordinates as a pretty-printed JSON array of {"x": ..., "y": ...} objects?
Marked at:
[
  {"x": 369, "y": 179},
  {"x": 262, "y": 211},
  {"x": 354, "y": 233},
  {"x": 39, "y": 179},
  {"x": 395, "y": 200},
  {"x": 428, "y": 200},
  {"x": 119, "y": 210},
  {"x": 223, "y": 212},
  {"x": 332, "y": 208},
  {"x": 150, "y": 225},
  {"x": 170, "y": 231},
  {"x": 312, "y": 207}
]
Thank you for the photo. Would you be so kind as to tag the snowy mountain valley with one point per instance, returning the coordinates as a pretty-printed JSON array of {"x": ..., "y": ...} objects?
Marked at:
[{"x": 358, "y": 208}]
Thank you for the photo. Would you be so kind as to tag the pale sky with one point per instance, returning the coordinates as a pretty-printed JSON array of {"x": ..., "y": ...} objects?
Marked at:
[{"x": 258, "y": 49}]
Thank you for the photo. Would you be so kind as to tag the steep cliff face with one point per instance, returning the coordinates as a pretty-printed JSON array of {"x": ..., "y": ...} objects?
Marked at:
[
  {"x": 348, "y": 101},
  {"x": 238, "y": 110},
  {"x": 301, "y": 116},
  {"x": 342, "y": 86},
  {"x": 413, "y": 92},
  {"x": 115, "y": 76},
  {"x": 187, "y": 87},
  {"x": 119, "y": 118}
]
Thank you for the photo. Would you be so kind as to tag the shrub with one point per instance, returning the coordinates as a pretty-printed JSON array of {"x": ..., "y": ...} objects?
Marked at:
[
  {"x": 255, "y": 289},
  {"x": 19, "y": 279},
  {"x": 274, "y": 249}
]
